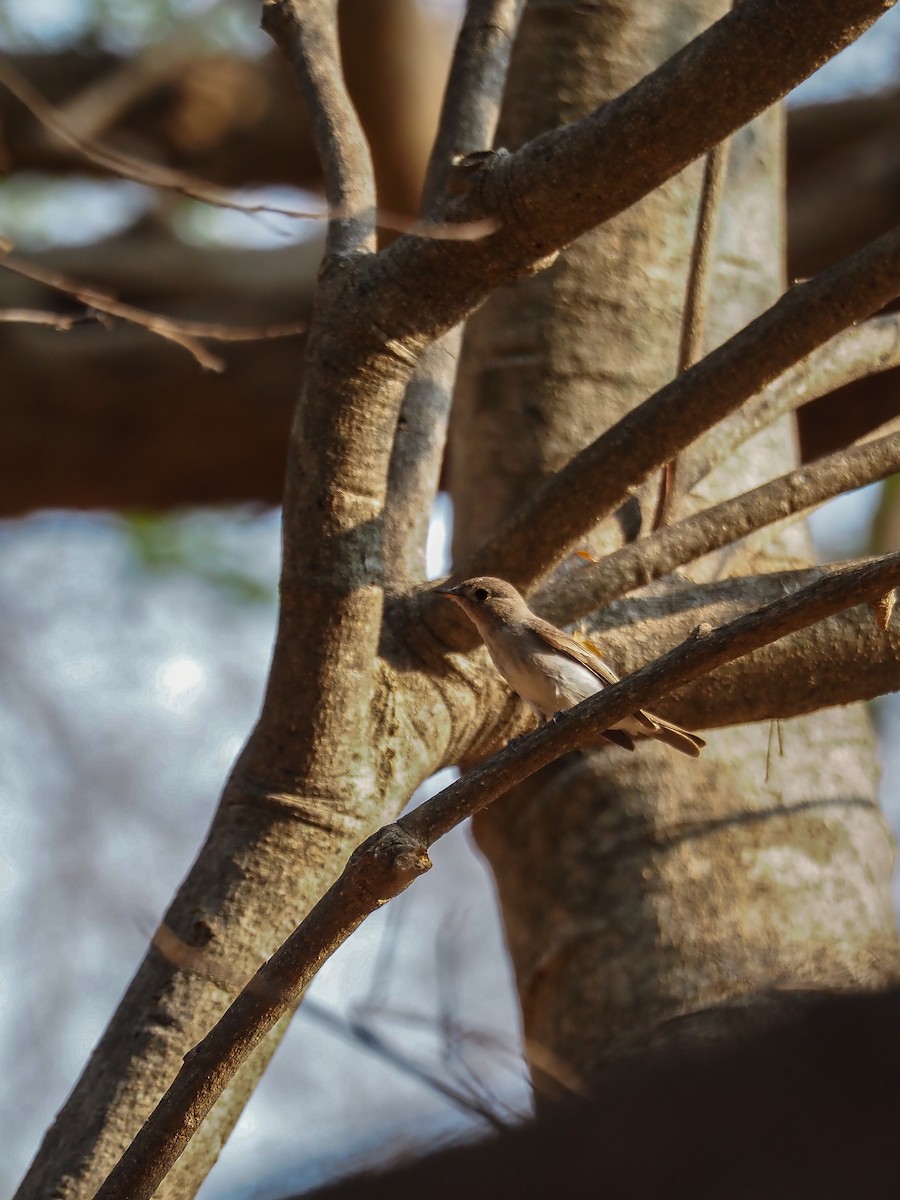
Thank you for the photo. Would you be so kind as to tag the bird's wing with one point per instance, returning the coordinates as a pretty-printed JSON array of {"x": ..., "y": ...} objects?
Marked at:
[{"x": 561, "y": 642}]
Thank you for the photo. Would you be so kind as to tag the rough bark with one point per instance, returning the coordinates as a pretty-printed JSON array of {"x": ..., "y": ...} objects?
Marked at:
[{"x": 615, "y": 922}]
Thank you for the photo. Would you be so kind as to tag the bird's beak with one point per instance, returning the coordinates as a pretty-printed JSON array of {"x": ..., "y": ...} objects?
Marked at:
[{"x": 451, "y": 593}]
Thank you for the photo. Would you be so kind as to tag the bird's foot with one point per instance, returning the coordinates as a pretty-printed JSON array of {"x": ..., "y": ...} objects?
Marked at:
[
  {"x": 562, "y": 715},
  {"x": 515, "y": 742}
]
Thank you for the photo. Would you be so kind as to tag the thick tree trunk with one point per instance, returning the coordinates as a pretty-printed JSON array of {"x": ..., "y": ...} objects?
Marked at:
[{"x": 637, "y": 889}]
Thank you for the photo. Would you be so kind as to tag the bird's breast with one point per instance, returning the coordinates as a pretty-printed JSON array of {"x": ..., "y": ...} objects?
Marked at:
[{"x": 547, "y": 679}]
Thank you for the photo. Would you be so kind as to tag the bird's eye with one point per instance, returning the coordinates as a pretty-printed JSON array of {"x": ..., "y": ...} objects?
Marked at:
[{"x": 481, "y": 595}]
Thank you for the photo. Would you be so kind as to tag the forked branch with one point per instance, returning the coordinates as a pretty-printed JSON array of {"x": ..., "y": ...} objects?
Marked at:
[{"x": 187, "y": 334}]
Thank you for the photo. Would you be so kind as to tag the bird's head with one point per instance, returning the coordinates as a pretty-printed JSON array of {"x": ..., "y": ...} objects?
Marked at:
[{"x": 485, "y": 598}]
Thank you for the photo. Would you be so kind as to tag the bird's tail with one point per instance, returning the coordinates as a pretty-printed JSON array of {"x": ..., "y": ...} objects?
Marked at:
[{"x": 677, "y": 738}]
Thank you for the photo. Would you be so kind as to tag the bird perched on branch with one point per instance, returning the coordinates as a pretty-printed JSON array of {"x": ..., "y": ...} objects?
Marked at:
[{"x": 549, "y": 669}]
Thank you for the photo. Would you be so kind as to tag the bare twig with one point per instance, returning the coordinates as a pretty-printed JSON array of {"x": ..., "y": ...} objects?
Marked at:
[
  {"x": 854, "y": 353},
  {"x": 305, "y": 31},
  {"x": 389, "y": 861},
  {"x": 597, "y": 584},
  {"x": 183, "y": 333},
  {"x": 127, "y": 166},
  {"x": 358, "y": 1033},
  {"x": 467, "y": 124},
  {"x": 600, "y": 477},
  {"x": 61, "y": 322},
  {"x": 690, "y": 348},
  {"x": 138, "y": 170}
]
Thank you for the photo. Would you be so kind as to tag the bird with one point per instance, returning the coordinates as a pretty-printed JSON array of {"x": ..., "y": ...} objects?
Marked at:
[{"x": 547, "y": 668}]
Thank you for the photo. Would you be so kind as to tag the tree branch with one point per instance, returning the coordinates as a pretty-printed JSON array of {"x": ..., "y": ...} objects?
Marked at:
[
  {"x": 619, "y": 153},
  {"x": 127, "y": 166},
  {"x": 467, "y": 125},
  {"x": 848, "y": 656},
  {"x": 389, "y": 861},
  {"x": 600, "y": 478},
  {"x": 305, "y": 31},
  {"x": 853, "y": 354},
  {"x": 183, "y": 333},
  {"x": 597, "y": 584}
]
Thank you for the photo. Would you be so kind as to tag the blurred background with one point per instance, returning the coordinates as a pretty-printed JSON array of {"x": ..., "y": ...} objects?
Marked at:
[{"x": 139, "y": 540}]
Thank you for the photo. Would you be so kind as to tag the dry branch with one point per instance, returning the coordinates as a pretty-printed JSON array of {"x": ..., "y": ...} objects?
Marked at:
[
  {"x": 597, "y": 584},
  {"x": 619, "y": 153},
  {"x": 186, "y": 334},
  {"x": 127, "y": 166},
  {"x": 392, "y": 858},
  {"x": 306, "y": 33}
]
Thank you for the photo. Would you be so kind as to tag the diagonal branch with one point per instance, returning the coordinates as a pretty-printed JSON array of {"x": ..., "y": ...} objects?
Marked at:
[
  {"x": 620, "y": 152},
  {"x": 186, "y": 334},
  {"x": 855, "y": 353},
  {"x": 305, "y": 31},
  {"x": 467, "y": 126},
  {"x": 639, "y": 563},
  {"x": 848, "y": 656},
  {"x": 601, "y": 476},
  {"x": 389, "y": 861},
  {"x": 127, "y": 166}
]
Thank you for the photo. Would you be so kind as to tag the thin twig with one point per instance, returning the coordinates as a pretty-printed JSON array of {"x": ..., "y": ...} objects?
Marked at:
[
  {"x": 183, "y": 333},
  {"x": 61, "y": 322},
  {"x": 693, "y": 317},
  {"x": 305, "y": 31},
  {"x": 128, "y": 166},
  {"x": 600, "y": 477},
  {"x": 394, "y": 857},
  {"x": 467, "y": 124},
  {"x": 358, "y": 1033},
  {"x": 597, "y": 584}
]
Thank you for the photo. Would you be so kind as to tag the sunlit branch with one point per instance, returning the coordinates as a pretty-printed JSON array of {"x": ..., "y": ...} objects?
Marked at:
[
  {"x": 467, "y": 125},
  {"x": 596, "y": 584},
  {"x": 600, "y": 477}
]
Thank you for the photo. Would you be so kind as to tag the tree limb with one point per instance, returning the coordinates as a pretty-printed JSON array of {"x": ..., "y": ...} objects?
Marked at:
[
  {"x": 391, "y": 859},
  {"x": 600, "y": 478},
  {"x": 183, "y": 333},
  {"x": 306, "y": 33},
  {"x": 619, "y": 153},
  {"x": 842, "y": 660},
  {"x": 467, "y": 125},
  {"x": 597, "y": 584},
  {"x": 855, "y": 353}
]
